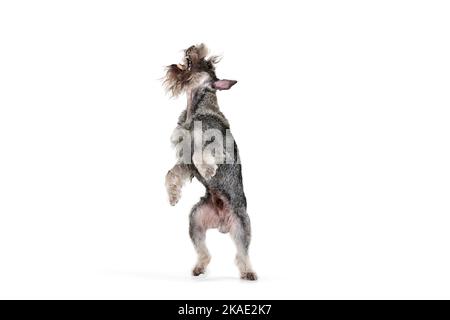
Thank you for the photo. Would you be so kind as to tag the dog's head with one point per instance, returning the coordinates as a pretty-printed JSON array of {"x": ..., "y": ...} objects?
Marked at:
[{"x": 197, "y": 70}]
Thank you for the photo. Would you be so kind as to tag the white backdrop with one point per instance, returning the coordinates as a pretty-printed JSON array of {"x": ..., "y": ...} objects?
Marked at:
[{"x": 341, "y": 114}]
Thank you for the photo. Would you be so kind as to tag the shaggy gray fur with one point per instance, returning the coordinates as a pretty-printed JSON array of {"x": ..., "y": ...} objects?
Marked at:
[{"x": 224, "y": 188}]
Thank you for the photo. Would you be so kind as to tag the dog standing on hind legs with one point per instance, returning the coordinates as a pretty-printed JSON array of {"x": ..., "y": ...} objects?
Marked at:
[{"x": 200, "y": 137}]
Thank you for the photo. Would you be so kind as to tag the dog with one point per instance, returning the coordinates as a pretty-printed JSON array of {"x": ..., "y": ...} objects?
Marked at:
[{"x": 200, "y": 137}]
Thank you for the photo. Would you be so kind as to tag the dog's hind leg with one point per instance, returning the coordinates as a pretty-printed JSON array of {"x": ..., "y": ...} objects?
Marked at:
[
  {"x": 241, "y": 233},
  {"x": 202, "y": 217}
]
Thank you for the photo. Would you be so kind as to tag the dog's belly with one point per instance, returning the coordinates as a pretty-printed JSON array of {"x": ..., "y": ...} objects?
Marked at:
[{"x": 216, "y": 213}]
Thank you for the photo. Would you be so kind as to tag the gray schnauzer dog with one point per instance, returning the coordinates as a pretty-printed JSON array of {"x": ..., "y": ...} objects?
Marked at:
[{"x": 199, "y": 138}]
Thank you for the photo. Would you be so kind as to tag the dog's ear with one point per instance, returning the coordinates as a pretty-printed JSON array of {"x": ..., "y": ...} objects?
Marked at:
[{"x": 223, "y": 84}]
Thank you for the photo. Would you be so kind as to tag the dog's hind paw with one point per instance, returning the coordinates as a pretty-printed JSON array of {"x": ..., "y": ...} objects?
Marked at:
[
  {"x": 198, "y": 271},
  {"x": 251, "y": 276}
]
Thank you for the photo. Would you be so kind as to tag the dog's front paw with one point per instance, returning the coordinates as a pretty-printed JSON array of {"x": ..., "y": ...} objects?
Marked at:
[
  {"x": 174, "y": 194},
  {"x": 173, "y": 187},
  {"x": 207, "y": 171}
]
